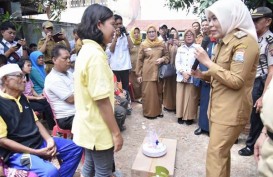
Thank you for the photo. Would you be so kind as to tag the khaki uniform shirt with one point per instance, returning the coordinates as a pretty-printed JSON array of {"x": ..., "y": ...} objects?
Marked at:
[
  {"x": 199, "y": 39},
  {"x": 146, "y": 63},
  {"x": 134, "y": 56},
  {"x": 49, "y": 46},
  {"x": 232, "y": 77}
]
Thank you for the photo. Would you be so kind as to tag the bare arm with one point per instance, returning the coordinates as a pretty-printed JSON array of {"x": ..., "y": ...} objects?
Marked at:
[
  {"x": 130, "y": 43},
  {"x": 70, "y": 99},
  {"x": 43, "y": 131},
  {"x": 109, "y": 119},
  {"x": 15, "y": 147},
  {"x": 113, "y": 45},
  {"x": 269, "y": 77},
  {"x": 259, "y": 103},
  {"x": 114, "y": 42}
]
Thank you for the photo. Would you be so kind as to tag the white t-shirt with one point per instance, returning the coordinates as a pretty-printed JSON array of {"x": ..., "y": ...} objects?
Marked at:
[
  {"x": 58, "y": 87},
  {"x": 19, "y": 52},
  {"x": 120, "y": 59}
]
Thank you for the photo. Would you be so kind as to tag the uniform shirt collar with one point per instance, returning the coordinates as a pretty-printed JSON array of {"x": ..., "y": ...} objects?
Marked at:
[
  {"x": 6, "y": 42},
  {"x": 229, "y": 36}
]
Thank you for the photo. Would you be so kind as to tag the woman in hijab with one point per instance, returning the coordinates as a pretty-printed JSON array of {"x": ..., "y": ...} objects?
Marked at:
[
  {"x": 187, "y": 94},
  {"x": 169, "y": 86},
  {"x": 38, "y": 73},
  {"x": 136, "y": 39},
  {"x": 152, "y": 54},
  {"x": 231, "y": 73}
]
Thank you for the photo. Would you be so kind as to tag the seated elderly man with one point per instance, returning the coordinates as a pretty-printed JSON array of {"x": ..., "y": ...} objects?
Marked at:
[
  {"x": 24, "y": 142},
  {"x": 59, "y": 87}
]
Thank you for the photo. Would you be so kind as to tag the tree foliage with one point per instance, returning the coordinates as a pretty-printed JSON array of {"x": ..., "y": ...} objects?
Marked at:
[
  {"x": 200, "y": 5},
  {"x": 53, "y": 8}
]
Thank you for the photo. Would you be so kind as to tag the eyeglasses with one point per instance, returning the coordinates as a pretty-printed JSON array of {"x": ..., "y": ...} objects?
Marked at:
[
  {"x": 189, "y": 35},
  {"x": 19, "y": 75},
  {"x": 151, "y": 32}
]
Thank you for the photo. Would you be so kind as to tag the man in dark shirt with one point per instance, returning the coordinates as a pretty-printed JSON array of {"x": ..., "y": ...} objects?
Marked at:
[{"x": 24, "y": 142}]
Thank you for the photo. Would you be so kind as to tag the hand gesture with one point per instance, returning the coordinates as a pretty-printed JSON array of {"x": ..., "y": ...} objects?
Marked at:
[
  {"x": 62, "y": 36},
  {"x": 13, "y": 49},
  {"x": 258, "y": 146},
  {"x": 201, "y": 55},
  {"x": 159, "y": 61},
  {"x": 118, "y": 142},
  {"x": 48, "y": 36},
  {"x": 186, "y": 76},
  {"x": 197, "y": 73},
  {"x": 52, "y": 149},
  {"x": 259, "y": 104},
  {"x": 22, "y": 42},
  {"x": 139, "y": 79},
  {"x": 118, "y": 33}
]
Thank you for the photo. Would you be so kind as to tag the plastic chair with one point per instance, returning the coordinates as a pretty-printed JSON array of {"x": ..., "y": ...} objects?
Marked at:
[{"x": 56, "y": 128}]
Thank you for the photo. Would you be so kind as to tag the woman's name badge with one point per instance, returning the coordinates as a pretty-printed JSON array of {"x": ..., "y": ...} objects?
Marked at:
[{"x": 148, "y": 49}]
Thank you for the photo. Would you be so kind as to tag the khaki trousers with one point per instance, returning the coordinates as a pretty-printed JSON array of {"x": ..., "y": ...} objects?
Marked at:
[
  {"x": 222, "y": 138},
  {"x": 265, "y": 165}
]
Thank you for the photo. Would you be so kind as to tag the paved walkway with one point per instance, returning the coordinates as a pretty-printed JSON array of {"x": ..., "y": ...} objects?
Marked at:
[{"x": 191, "y": 149}]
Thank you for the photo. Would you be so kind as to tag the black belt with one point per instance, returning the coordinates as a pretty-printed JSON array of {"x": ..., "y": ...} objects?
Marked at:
[{"x": 270, "y": 135}]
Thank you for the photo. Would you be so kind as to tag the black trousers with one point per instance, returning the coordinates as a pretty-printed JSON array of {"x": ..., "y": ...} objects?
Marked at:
[
  {"x": 256, "y": 124},
  {"x": 42, "y": 106},
  {"x": 65, "y": 123},
  {"x": 123, "y": 76}
]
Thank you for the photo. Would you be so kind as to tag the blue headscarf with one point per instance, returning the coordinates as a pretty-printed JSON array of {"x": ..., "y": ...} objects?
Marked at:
[{"x": 33, "y": 58}]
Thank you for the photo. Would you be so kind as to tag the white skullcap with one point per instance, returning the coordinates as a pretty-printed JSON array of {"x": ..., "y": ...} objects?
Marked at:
[{"x": 8, "y": 69}]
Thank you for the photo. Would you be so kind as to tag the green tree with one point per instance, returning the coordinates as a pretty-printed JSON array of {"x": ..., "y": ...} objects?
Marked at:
[
  {"x": 53, "y": 8},
  {"x": 200, "y": 5}
]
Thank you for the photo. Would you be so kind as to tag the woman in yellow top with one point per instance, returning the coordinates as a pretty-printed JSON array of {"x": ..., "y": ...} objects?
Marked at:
[
  {"x": 136, "y": 39},
  {"x": 152, "y": 54},
  {"x": 94, "y": 126}
]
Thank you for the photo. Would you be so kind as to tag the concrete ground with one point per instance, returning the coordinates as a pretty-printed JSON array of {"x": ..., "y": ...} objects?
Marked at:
[{"x": 191, "y": 149}]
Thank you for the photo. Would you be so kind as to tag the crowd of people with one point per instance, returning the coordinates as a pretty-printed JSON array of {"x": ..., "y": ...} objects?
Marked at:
[{"x": 87, "y": 85}]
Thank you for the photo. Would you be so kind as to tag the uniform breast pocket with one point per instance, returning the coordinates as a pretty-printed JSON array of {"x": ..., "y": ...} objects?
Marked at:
[
  {"x": 159, "y": 50},
  {"x": 224, "y": 59},
  {"x": 148, "y": 52}
]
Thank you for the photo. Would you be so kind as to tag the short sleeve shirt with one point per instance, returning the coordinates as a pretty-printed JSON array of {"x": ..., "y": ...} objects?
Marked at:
[
  {"x": 58, "y": 87},
  {"x": 94, "y": 82}
]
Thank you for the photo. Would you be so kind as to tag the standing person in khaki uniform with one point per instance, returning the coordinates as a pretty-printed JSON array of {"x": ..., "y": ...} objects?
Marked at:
[
  {"x": 151, "y": 54},
  {"x": 136, "y": 40},
  {"x": 264, "y": 146},
  {"x": 169, "y": 86},
  {"x": 46, "y": 44},
  {"x": 231, "y": 73}
]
